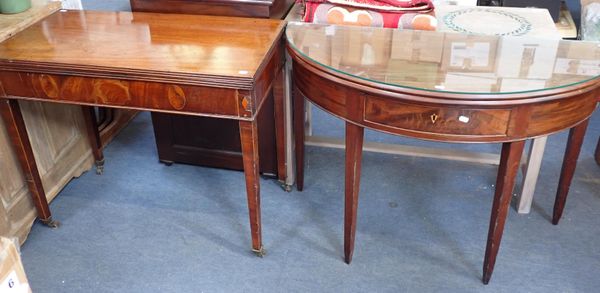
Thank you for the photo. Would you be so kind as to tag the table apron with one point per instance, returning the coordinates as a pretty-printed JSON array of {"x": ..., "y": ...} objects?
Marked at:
[
  {"x": 141, "y": 95},
  {"x": 448, "y": 121}
]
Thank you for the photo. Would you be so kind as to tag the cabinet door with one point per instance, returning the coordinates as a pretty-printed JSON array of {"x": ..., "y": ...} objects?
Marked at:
[{"x": 62, "y": 151}]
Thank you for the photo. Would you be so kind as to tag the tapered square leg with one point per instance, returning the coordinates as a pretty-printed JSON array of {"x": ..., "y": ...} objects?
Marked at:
[
  {"x": 354, "y": 146},
  {"x": 574, "y": 143},
  {"x": 15, "y": 125},
  {"x": 299, "y": 112},
  {"x": 91, "y": 126},
  {"x": 505, "y": 182},
  {"x": 597, "y": 155},
  {"x": 249, "y": 141},
  {"x": 278, "y": 96}
]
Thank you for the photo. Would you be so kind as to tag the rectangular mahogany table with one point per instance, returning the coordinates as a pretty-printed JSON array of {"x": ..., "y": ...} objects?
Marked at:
[{"x": 208, "y": 66}]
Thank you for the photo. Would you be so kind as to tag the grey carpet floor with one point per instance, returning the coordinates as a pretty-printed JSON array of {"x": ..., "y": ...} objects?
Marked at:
[
  {"x": 146, "y": 227},
  {"x": 422, "y": 225}
]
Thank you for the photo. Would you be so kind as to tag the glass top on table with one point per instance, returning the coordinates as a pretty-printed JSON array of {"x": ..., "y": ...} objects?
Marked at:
[{"x": 447, "y": 62}]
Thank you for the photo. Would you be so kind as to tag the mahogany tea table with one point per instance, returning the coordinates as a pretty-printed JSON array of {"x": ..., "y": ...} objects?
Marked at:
[
  {"x": 209, "y": 66},
  {"x": 444, "y": 87}
]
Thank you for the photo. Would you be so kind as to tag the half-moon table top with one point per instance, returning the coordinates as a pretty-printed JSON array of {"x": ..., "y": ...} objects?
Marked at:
[
  {"x": 138, "y": 45},
  {"x": 480, "y": 66}
]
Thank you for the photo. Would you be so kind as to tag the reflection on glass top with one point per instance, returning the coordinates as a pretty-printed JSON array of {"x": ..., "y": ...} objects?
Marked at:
[{"x": 447, "y": 62}]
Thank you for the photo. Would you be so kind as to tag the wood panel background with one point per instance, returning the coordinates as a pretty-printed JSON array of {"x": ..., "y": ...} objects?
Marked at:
[{"x": 61, "y": 150}]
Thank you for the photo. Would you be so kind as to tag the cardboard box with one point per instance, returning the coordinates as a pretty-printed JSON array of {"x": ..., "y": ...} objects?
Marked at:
[
  {"x": 12, "y": 275},
  {"x": 413, "y": 73},
  {"x": 414, "y": 45},
  {"x": 505, "y": 21},
  {"x": 469, "y": 82},
  {"x": 469, "y": 53},
  {"x": 578, "y": 50},
  {"x": 365, "y": 47},
  {"x": 527, "y": 58},
  {"x": 553, "y": 6}
]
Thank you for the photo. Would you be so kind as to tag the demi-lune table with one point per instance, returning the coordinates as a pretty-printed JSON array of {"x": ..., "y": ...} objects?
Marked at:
[
  {"x": 505, "y": 21},
  {"x": 444, "y": 87},
  {"x": 208, "y": 66}
]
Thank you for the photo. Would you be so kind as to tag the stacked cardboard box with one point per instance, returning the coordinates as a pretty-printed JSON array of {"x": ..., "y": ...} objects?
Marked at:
[{"x": 12, "y": 275}]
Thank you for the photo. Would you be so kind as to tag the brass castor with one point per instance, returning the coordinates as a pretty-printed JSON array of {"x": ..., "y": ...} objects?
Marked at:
[
  {"x": 51, "y": 223},
  {"x": 260, "y": 252},
  {"x": 285, "y": 186},
  {"x": 100, "y": 167}
]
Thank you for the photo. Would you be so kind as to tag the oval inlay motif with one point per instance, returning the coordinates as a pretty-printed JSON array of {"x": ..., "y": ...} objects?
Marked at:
[
  {"x": 49, "y": 85},
  {"x": 112, "y": 92},
  {"x": 176, "y": 97},
  {"x": 73, "y": 86}
]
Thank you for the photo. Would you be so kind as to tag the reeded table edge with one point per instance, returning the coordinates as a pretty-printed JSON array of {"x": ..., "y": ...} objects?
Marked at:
[{"x": 127, "y": 73}]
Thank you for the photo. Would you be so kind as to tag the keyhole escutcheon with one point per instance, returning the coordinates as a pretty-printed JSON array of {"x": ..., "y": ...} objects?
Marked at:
[{"x": 434, "y": 118}]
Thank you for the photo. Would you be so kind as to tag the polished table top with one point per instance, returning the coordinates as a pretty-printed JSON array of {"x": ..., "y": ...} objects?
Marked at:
[
  {"x": 447, "y": 62},
  {"x": 139, "y": 45}
]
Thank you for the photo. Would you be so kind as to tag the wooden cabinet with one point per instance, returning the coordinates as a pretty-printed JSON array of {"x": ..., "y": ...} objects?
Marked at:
[
  {"x": 210, "y": 141},
  {"x": 213, "y": 142},
  {"x": 244, "y": 8}
]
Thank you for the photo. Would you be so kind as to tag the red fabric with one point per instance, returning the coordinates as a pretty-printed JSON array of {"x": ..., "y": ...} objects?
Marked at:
[
  {"x": 408, "y": 14},
  {"x": 424, "y": 4},
  {"x": 412, "y": 3}
]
